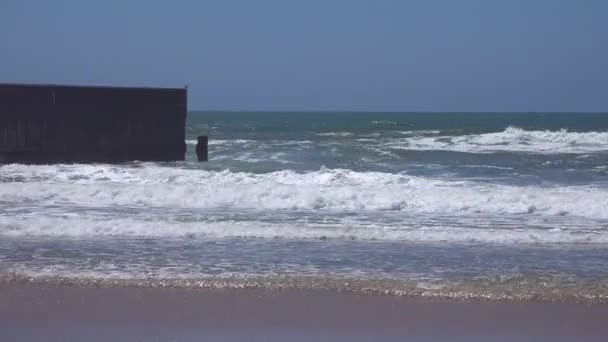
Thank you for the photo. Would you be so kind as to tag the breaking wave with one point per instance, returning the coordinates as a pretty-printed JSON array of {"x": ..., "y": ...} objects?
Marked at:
[
  {"x": 512, "y": 139},
  {"x": 323, "y": 190}
]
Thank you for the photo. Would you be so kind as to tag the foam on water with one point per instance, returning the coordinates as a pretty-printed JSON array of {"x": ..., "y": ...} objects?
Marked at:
[
  {"x": 510, "y": 218},
  {"x": 495, "y": 231},
  {"x": 323, "y": 190},
  {"x": 512, "y": 139},
  {"x": 383, "y": 122},
  {"x": 222, "y": 142},
  {"x": 421, "y": 132},
  {"x": 336, "y": 134}
]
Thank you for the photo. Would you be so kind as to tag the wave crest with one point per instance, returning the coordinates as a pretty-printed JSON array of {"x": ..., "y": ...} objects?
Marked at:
[
  {"x": 327, "y": 190},
  {"x": 512, "y": 139}
]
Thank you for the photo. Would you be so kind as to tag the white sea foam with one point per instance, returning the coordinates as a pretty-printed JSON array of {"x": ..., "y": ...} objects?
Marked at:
[
  {"x": 511, "y": 139},
  {"x": 420, "y": 132},
  {"x": 324, "y": 190},
  {"x": 85, "y": 227},
  {"x": 336, "y": 134},
  {"x": 383, "y": 122},
  {"x": 222, "y": 142}
]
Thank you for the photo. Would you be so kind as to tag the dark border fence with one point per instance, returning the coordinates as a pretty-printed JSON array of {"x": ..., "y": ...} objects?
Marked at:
[{"x": 56, "y": 123}]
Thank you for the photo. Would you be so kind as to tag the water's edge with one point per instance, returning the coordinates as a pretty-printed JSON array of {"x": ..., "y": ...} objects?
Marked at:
[{"x": 480, "y": 291}]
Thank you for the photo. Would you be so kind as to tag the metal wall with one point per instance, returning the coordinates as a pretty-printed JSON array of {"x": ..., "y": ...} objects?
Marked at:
[{"x": 40, "y": 123}]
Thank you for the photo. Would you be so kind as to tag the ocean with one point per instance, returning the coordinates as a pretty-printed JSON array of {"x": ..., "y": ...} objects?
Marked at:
[{"x": 510, "y": 206}]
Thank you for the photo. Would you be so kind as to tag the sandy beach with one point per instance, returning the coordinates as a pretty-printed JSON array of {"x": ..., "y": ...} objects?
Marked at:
[
  {"x": 346, "y": 170},
  {"x": 48, "y": 313}
]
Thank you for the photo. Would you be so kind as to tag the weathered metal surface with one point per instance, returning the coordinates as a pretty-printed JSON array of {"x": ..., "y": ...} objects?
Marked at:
[
  {"x": 51, "y": 123},
  {"x": 202, "y": 148}
]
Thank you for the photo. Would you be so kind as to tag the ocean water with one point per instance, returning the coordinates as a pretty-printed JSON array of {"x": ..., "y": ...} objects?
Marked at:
[{"x": 458, "y": 205}]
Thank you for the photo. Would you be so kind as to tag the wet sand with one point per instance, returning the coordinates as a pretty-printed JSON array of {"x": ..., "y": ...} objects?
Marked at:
[{"x": 47, "y": 313}]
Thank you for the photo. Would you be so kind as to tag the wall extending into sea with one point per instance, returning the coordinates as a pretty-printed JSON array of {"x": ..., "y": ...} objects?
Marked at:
[{"x": 56, "y": 123}]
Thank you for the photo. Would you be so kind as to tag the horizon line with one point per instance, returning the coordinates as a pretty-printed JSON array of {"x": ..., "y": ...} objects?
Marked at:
[{"x": 390, "y": 111}]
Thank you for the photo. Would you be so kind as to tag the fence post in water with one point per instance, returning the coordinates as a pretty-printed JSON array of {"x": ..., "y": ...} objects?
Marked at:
[{"x": 202, "y": 148}]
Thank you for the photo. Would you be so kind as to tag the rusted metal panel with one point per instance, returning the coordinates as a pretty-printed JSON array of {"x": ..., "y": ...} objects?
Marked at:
[{"x": 54, "y": 123}]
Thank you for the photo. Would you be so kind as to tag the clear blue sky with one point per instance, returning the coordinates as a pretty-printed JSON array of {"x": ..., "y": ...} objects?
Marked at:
[{"x": 425, "y": 55}]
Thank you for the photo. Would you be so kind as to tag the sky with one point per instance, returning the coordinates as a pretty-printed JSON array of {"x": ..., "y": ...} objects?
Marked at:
[{"x": 308, "y": 55}]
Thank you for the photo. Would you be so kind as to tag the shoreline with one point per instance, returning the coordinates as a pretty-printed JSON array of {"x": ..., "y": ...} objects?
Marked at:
[
  {"x": 507, "y": 292},
  {"x": 36, "y": 312}
]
